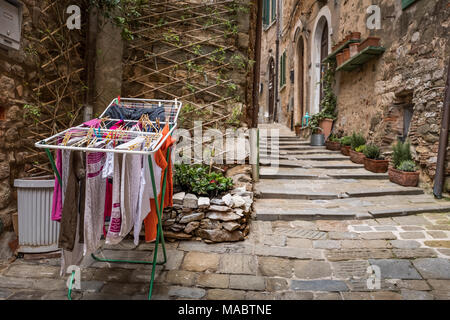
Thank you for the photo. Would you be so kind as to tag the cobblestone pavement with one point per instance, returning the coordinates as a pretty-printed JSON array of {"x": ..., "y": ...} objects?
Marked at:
[{"x": 296, "y": 260}]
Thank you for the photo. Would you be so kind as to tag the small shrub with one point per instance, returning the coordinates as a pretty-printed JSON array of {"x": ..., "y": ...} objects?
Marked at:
[
  {"x": 401, "y": 152},
  {"x": 407, "y": 165},
  {"x": 346, "y": 141},
  {"x": 357, "y": 140},
  {"x": 372, "y": 152},
  {"x": 333, "y": 138},
  {"x": 360, "y": 148},
  {"x": 198, "y": 180}
]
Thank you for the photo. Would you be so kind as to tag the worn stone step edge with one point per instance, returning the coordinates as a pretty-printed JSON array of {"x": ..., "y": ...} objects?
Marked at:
[
  {"x": 288, "y": 176},
  {"x": 331, "y": 195},
  {"x": 318, "y": 166}
]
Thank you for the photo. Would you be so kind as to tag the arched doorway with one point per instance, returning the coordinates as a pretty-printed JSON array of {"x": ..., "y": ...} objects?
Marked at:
[
  {"x": 271, "y": 87},
  {"x": 300, "y": 80},
  {"x": 320, "y": 48},
  {"x": 323, "y": 55}
]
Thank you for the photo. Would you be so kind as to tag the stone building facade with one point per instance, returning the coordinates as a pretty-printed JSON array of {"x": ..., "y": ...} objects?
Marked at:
[{"x": 397, "y": 94}]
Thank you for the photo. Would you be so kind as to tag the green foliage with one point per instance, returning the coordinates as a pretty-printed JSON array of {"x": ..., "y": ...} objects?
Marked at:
[
  {"x": 329, "y": 99},
  {"x": 407, "y": 165},
  {"x": 333, "y": 138},
  {"x": 357, "y": 140},
  {"x": 235, "y": 117},
  {"x": 401, "y": 152},
  {"x": 198, "y": 180},
  {"x": 122, "y": 12},
  {"x": 346, "y": 141},
  {"x": 32, "y": 112},
  {"x": 361, "y": 148},
  {"x": 372, "y": 152}
]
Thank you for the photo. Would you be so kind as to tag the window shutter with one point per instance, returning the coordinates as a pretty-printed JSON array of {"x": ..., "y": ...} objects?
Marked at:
[
  {"x": 407, "y": 3},
  {"x": 274, "y": 10},
  {"x": 283, "y": 69},
  {"x": 265, "y": 16}
]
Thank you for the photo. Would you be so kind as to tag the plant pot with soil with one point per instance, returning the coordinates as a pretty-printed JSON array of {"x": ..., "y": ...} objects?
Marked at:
[
  {"x": 297, "y": 128},
  {"x": 357, "y": 147},
  {"x": 369, "y": 42},
  {"x": 373, "y": 161},
  {"x": 333, "y": 143},
  {"x": 404, "y": 170},
  {"x": 340, "y": 59},
  {"x": 345, "y": 145}
]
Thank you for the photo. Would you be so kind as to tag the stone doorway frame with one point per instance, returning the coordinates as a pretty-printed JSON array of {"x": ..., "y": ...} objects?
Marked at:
[{"x": 271, "y": 105}]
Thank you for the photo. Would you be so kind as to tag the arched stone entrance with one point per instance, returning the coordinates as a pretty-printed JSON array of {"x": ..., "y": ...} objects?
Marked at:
[
  {"x": 321, "y": 40},
  {"x": 271, "y": 89}
]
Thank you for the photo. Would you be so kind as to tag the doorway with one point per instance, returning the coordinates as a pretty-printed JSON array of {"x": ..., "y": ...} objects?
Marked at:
[
  {"x": 301, "y": 80},
  {"x": 271, "y": 89},
  {"x": 323, "y": 55}
]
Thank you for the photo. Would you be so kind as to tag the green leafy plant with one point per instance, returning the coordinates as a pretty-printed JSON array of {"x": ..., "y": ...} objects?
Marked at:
[
  {"x": 333, "y": 138},
  {"x": 346, "y": 141},
  {"x": 407, "y": 165},
  {"x": 198, "y": 179},
  {"x": 373, "y": 152},
  {"x": 360, "y": 148},
  {"x": 32, "y": 112},
  {"x": 401, "y": 152},
  {"x": 357, "y": 140}
]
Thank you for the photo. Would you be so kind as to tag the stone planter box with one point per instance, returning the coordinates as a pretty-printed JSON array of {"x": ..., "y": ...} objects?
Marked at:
[
  {"x": 357, "y": 157},
  {"x": 345, "y": 150},
  {"x": 332, "y": 145},
  {"x": 403, "y": 178},
  {"x": 376, "y": 166}
]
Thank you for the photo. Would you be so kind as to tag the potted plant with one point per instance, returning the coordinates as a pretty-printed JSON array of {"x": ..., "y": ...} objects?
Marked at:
[
  {"x": 404, "y": 170},
  {"x": 328, "y": 102},
  {"x": 357, "y": 147},
  {"x": 369, "y": 42},
  {"x": 297, "y": 128},
  {"x": 333, "y": 143},
  {"x": 373, "y": 160},
  {"x": 345, "y": 145}
]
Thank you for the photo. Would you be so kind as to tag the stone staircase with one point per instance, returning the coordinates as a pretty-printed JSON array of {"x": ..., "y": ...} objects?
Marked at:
[{"x": 316, "y": 183}]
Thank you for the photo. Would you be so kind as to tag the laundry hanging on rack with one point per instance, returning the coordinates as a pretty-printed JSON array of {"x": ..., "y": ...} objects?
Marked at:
[
  {"x": 151, "y": 222},
  {"x": 117, "y": 112}
]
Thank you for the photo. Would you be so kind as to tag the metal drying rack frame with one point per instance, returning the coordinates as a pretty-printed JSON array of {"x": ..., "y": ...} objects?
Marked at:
[{"x": 172, "y": 110}]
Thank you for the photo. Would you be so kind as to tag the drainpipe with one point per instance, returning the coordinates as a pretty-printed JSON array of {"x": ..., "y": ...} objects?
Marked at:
[
  {"x": 443, "y": 142},
  {"x": 277, "y": 57}
]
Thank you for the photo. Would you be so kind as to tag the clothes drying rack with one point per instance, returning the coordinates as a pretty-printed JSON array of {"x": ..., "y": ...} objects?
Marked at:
[{"x": 153, "y": 140}]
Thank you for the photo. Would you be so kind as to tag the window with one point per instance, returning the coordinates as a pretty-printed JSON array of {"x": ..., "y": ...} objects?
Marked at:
[
  {"x": 269, "y": 12},
  {"x": 266, "y": 10},
  {"x": 274, "y": 10},
  {"x": 407, "y": 3},
  {"x": 283, "y": 69}
]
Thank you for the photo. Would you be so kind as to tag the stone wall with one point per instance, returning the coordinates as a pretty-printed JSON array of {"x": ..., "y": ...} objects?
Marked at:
[
  {"x": 410, "y": 72},
  {"x": 373, "y": 99}
]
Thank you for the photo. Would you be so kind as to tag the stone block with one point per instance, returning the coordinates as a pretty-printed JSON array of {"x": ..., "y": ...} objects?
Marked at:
[
  {"x": 185, "y": 292},
  {"x": 192, "y": 217},
  {"x": 247, "y": 282},
  {"x": 190, "y": 201},
  {"x": 396, "y": 269},
  {"x": 225, "y": 294},
  {"x": 178, "y": 198},
  {"x": 203, "y": 202},
  {"x": 213, "y": 280},
  {"x": 275, "y": 267},
  {"x": 304, "y": 269},
  {"x": 430, "y": 268},
  {"x": 180, "y": 277},
  {"x": 319, "y": 285},
  {"x": 200, "y": 261},
  {"x": 238, "y": 264},
  {"x": 191, "y": 226}
]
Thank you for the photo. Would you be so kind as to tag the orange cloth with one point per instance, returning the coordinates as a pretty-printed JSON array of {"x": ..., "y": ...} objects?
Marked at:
[{"x": 151, "y": 221}]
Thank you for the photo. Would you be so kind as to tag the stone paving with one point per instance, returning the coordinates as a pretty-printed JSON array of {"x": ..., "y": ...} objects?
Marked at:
[
  {"x": 323, "y": 254},
  {"x": 295, "y": 260}
]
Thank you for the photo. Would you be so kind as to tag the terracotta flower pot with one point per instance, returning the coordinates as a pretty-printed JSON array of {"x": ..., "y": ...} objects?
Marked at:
[
  {"x": 345, "y": 150},
  {"x": 333, "y": 145},
  {"x": 377, "y": 166},
  {"x": 404, "y": 178},
  {"x": 297, "y": 128},
  {"x": 357, "y": 157},
  {"x": 346, "y": 54},
  {"x": 353, "y": 47},
  {"x": 326, "y": 125},
  {"x": 340, "y": 59},
  {"x": 355, "y": 36},
  {"x": 369, "y": 42},
  {"x": 347, "y": 38}
]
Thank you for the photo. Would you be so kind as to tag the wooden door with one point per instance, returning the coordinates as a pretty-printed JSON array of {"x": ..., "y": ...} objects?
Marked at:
[
  {"x": 301, "y": 79},
  {"x": 271, "y": 88},
  {"x": 323, "y": 55}
]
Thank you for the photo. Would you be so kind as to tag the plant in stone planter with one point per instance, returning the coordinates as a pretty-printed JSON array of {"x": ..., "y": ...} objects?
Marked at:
[
  {"x": 333, "y": 143},
  {"x": 404, "y": 170},
  {"x": 345, "y": 145},
  {"x": 199, "y": 180},
  {"x": 357, "y": 147},
  {"x": 373, "y": 161}
]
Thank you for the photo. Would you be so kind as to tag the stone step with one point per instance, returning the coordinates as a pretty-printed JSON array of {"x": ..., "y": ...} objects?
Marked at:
[
  {"x": 299, "y": 153},
  {"x": 318, "y": 173},
  {"x": 322, "y": 189},
  {"x": 350, "y": 208},
  {"x": 341, "y": 164},
  {"x": 313, "y": 157}
]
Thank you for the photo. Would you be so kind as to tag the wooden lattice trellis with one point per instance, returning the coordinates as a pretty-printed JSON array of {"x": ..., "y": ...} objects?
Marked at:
[
  {"x": 60, "y": 64},
  {"x": 188, "y": 50}
]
